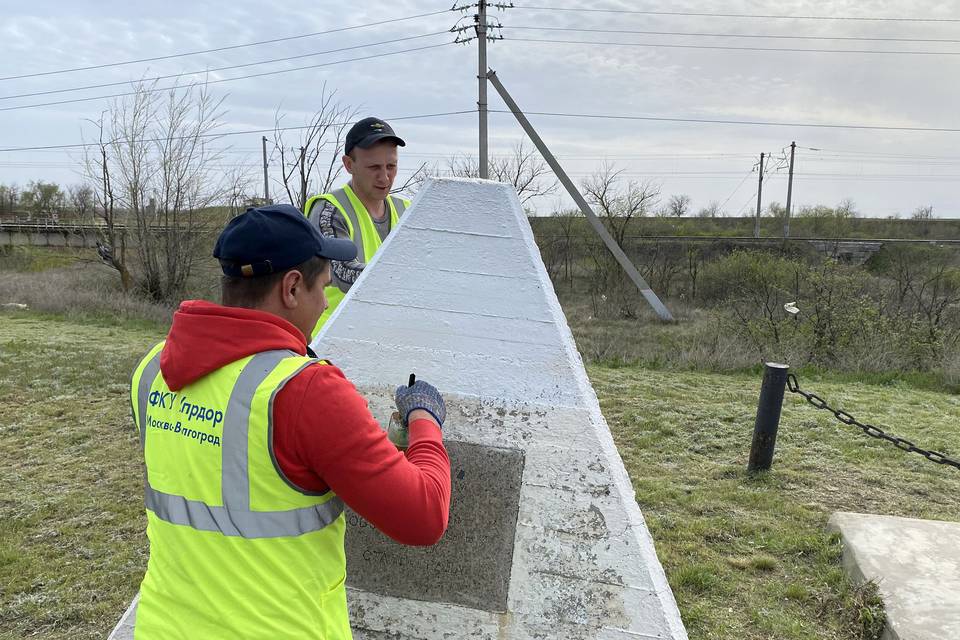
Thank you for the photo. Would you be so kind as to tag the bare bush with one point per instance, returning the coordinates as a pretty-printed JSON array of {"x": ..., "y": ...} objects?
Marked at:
[{"x": 79, "y": 290}]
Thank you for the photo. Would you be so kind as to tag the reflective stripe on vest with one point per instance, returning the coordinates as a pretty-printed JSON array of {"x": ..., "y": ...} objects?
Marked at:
[{"x": 234, "y": 518}]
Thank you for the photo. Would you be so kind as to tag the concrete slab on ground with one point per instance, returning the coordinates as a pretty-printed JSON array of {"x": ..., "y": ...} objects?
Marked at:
[{"x": 916, "y": 564}]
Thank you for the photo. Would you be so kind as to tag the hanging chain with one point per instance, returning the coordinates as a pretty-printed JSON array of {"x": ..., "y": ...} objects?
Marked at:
[{"x": 869, "y": 429}]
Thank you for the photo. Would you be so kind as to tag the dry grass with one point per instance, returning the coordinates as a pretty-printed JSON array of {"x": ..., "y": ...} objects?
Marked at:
[{"x": 71, "y": 283}]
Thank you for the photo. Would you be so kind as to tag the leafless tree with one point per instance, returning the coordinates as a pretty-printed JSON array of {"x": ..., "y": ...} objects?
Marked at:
[
  {"x": 522, "y": 167},
  {"x": 9, "y": 198},
  {"x": 80, "y": 200},
  {"x": 112, "y": 240},
  {"x": 412, "y": 184},
  {"x": 568, "y": 222},
  {"x": 240, "y": 189},
  {"x": 712, "y": 210},
  {"x": 312, "y": 165},
  {"x": 678, "y": 205},
  {"x": 156, "y": 165},
  {"x": 617, "y": 204}
]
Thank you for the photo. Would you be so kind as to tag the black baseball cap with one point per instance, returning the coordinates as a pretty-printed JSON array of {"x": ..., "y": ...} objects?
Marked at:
[
  {"x": 265, "y": 240},
  {"x": 368, "y": 132}
]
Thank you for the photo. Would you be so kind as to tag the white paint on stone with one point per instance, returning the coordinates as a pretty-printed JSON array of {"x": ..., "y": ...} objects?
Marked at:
[
  {"x": 916, "y": 564},
  {"x": 458, "y": 295}
]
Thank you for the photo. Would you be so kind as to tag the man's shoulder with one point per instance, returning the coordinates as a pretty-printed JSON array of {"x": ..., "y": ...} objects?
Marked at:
[
  {"x": 320, "y": 373},
  {"x": 321, "y": 205}
]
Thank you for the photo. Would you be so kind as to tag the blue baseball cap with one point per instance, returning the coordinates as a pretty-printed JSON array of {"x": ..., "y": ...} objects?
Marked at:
[{"x": 265, "y": 240}]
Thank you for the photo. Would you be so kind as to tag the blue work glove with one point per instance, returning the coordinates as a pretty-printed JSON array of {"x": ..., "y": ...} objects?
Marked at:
[{"x": 420, "y": 395}]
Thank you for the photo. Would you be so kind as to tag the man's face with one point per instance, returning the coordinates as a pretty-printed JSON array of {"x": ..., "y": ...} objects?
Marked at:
[{"x": 373, "y": 170}]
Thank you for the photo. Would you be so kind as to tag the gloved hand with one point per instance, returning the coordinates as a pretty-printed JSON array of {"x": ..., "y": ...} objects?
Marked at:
[{"x": 420, "y": 396}]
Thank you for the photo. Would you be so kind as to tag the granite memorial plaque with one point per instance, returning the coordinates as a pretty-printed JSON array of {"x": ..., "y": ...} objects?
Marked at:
[{"x": 471, "y": 564}]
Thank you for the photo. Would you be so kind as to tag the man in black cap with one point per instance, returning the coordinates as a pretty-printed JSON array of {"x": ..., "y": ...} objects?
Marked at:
[
  {"x": 252, "y": 447},
  {"x": 363, "y": 209}
]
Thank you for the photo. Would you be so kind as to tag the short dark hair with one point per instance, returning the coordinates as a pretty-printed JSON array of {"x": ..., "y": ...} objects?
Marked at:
[{"x": 236, "y": 291}]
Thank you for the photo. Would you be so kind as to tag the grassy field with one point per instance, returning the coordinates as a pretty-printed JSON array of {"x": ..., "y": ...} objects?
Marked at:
[
  {"x": 72, "y": 542},
  {"x": 747, "y": 558}
]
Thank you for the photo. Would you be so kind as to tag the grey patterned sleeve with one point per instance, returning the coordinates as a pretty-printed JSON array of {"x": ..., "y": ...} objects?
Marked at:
[{"x": 331, "y": 223}]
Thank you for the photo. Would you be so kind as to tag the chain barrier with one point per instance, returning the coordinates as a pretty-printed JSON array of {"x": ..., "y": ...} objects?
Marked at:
[{"x": 869, "y": 429}]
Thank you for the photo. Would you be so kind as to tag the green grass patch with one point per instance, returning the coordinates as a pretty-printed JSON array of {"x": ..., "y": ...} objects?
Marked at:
[
  {"x": 72, "y": 541},
  {"x": 749, "y": 557}
]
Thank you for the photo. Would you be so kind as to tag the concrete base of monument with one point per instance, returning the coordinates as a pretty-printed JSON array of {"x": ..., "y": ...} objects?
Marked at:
[
  {"x": 579, "y": 563},
  {"x": 916, "y": 564}
]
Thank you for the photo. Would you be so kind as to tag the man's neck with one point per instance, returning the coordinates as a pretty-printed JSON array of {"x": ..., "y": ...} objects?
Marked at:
[{"x": 375, "y": 207}]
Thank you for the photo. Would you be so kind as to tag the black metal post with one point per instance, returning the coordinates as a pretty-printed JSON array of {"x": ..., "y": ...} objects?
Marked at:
[{"x": 768, "y": 416}]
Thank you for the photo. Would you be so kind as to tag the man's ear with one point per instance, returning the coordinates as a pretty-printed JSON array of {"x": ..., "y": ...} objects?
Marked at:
[
  {"x": 348, "y": 164},
  {"x": 290, "y": 285}
]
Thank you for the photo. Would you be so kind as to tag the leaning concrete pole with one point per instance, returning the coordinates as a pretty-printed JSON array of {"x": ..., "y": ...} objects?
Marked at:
[{"x": 595, "y": 222}]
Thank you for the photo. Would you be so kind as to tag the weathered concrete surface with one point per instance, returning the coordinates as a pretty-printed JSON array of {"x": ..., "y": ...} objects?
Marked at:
[
  {"x": 916, "y": 564},
  {"x": 471, "y": 564},
  {"x": 458, "y": 295}
]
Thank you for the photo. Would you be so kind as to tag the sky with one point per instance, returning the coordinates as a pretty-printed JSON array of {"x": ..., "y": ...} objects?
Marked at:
[{"x": 706, "y": 73}]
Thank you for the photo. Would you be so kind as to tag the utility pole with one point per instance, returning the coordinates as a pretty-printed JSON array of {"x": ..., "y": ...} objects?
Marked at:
[
  {"x": 756, "y": 223},
  {"x": 786, "y": 221},
  {"x": 481, "y": 26},
  {"x": 266, "y": 180}
]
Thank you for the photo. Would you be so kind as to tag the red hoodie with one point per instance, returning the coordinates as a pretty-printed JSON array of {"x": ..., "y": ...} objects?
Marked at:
[{"x": 324, "y": 436}]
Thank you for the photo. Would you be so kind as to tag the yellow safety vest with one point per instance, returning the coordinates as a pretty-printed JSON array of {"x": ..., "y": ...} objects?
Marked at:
[
  {"x": 362, "y": 231},
  {"x": 236, "y": 549}
]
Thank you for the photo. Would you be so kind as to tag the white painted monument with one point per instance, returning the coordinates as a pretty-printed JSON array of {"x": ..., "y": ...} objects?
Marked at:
[
  {"x": 545, "y": 537},
  {"x": 458, "y": 295}
]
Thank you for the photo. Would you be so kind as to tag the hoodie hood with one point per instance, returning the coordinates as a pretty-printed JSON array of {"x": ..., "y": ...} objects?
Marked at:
[{"x": 205, "y": 337}]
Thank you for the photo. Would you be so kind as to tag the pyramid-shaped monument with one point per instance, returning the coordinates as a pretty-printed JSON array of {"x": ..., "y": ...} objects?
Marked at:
[{"x": 545, "y": 537}]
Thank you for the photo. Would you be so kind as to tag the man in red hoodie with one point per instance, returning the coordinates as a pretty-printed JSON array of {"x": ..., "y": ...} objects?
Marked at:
[{"x": 252, "y": 446}]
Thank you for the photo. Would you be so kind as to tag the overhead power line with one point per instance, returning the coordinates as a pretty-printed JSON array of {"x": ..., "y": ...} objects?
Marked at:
[
  {"x": 746, "y": 175},
  {"x": 735, "y": 48},
  {"x": 224, "y": 134},
  {"x": 735, "y": 35},
  {"x": 208, "y": 82},
  {"x": 227, "y": 48},
  {"x": 227, "y": 68},
  {"x": 738, "y": 122},
  {"x": 735, "y": 15}
]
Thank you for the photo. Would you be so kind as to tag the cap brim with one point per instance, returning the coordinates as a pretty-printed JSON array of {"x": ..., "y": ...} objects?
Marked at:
[
  {"x": 338, "y": 249},
  {"x": 373, "y": 139}
]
